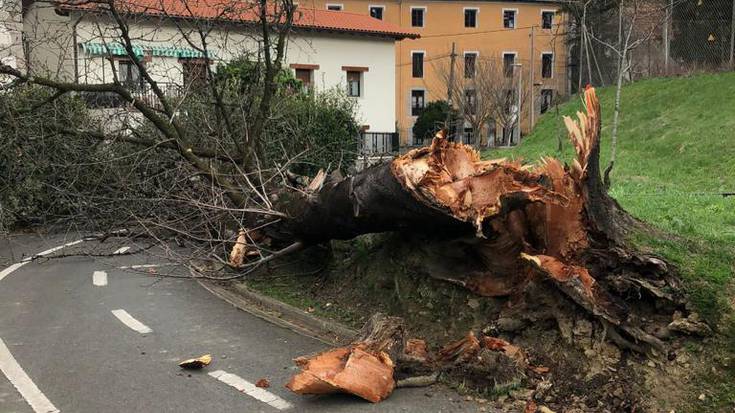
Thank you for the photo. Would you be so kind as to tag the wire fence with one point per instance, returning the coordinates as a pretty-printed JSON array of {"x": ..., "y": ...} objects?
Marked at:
[{"x": 667, "y": 38}]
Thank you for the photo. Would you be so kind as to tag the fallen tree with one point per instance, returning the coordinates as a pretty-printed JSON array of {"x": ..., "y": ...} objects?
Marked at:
[{"x": 496, "y": 228}]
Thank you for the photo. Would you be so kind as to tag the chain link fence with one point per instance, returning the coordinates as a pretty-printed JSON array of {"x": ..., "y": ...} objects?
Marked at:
[{"x": 667, "y": 38}]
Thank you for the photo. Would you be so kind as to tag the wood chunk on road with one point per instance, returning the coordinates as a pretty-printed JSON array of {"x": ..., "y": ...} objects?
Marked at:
[{"x": 349, "y": 370}]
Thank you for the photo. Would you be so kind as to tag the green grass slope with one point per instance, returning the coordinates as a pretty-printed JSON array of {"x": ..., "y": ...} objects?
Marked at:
[{"x": 676, "y": 155}]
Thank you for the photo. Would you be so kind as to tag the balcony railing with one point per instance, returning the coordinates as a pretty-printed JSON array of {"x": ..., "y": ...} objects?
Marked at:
[
  {"x": 100, "y": 100},
  {"x": 379, "y": 143}
]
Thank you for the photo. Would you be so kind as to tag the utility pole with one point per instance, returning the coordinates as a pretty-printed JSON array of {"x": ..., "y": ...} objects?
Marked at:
[
  {"x": 530, "y": 82},
  {"x": 518, "y": 98},
  {"x": 450, "y": 86}
]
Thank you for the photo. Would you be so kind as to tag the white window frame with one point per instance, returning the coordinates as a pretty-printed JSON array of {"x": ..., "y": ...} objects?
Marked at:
[
  {"x": 477, "y": 16},
  {"x": 423, "y": 20},
  {"x": 340, "y": 5},
  {"x": 361, "y": 84},
  {"x": 541, "y": 14},
  {"x": 377, "y": 6},
  {"x": 473, "y": 52},
  {"x": 423, "y": 63},
  {"x": 542, "y": 65},
  {"x": 515, "y": 19},
  {"x": 410, "y": 101}
]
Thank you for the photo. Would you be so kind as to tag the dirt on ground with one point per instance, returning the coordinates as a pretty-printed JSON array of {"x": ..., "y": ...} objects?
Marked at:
[{"x": 571, "y": 363}]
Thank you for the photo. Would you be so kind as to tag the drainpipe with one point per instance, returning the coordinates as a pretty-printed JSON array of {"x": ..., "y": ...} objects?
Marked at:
[{"x": 76, "y": 48}]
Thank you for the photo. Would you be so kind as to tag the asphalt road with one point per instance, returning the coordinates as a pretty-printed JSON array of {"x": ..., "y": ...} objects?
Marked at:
[{"x": 59, "y": 329}]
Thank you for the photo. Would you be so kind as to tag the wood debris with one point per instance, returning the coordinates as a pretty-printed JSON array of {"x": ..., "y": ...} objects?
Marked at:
[{"x": 196, "y": 363}]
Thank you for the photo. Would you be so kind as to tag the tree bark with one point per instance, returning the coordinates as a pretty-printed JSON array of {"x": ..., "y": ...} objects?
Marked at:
[
  {"x": 513, "y": 227},
  {"x": 513, "y": 224}
]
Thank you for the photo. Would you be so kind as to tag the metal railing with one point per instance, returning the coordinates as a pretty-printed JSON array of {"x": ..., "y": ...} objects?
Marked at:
[
  {"x": 379, "y": 143},
  {"x": 100, "y": 100}
]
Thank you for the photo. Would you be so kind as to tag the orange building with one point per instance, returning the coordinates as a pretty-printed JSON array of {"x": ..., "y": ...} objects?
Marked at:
[{"x": 526, "y": 38}]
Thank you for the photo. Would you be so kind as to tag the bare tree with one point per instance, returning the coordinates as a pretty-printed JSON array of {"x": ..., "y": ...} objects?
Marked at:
[
  {"x": 630, "y": 35},
  {"x": 489, "y": 92}
]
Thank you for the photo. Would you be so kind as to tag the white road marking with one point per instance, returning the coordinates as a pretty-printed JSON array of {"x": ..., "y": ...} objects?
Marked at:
[
  {"x": 250, "y": 389},
  {"x": 4, "y": 273},
  {"x": 131, "y": 322},
  {"x": 54, "y": 249},
  {"x": 99, "y": 278},
  {"x": 132, "y": 267},
  {"x": 120, "y": 250},
  {"x": 25, "y": 386}
]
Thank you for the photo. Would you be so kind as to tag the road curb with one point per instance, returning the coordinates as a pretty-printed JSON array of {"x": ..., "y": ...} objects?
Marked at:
[{"x": 281, "y": 314}]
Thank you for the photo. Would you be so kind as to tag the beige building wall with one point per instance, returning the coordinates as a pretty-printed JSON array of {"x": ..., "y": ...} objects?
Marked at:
[{"x": 444, "y": 25}]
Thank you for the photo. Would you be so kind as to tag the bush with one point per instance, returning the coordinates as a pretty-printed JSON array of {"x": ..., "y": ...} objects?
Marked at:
[
  {"x": 41, "y": 170},
  {"x": 309, "y": 130},
  {"x": 320, "y": 131}
]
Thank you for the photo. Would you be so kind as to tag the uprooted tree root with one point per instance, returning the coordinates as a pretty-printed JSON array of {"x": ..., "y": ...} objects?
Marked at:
[{"x": 548, "y": 237}]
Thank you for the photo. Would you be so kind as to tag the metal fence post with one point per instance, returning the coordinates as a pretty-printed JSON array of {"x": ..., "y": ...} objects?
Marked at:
[
  {"x": 667, "y": 23},
  {"x": 732, "y": 37}
]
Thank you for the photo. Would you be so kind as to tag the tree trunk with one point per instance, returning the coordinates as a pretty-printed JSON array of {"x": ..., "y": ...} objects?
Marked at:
[
  {"x": 513, "y": 223},
  {"x": 514, "y": 227}
]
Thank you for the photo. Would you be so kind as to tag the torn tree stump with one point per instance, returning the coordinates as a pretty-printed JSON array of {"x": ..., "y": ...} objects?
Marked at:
[
  {"x": 509, "y": 227},
  {"x": 509, "y": 224}
]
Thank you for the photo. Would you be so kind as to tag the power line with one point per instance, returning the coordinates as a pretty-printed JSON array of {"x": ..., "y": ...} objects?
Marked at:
[{"x": 489, "y": 31}]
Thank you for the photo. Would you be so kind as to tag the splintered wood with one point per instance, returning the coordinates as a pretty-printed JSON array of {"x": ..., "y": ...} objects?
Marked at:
[
  {"x": 364, "y": 368},
  {"x": 345, "y": 370}
]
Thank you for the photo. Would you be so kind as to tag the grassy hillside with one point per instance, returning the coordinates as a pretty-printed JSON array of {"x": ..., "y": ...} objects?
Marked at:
[{"x": 676, "y": 155}]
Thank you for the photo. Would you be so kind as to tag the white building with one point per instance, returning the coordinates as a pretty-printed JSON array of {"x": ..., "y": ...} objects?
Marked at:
[
  {"x": 81, "y": 42},
  {"x": 11, "y": 48}
]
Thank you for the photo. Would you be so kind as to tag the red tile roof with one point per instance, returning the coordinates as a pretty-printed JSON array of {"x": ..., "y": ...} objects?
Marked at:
[{"x": 244, "y": 11}]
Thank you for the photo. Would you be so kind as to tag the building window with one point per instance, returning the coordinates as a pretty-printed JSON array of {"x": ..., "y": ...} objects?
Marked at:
[
  {"x": 194, "y": 72},
  {"x": 547, "y": 98},
  {"x": 470, "y": 17},
  {"x": 305, "y": 76},
  {"x": 547, "y": 64},
  {"x": 334, "y": 7},
  {"x": 129, "y": 75},
  {"x": 417, "y": 17},
  {"x": 376, "y": 12},
  {"x": 470, "y": 64},
  {"x": 509, "y": 19},
  {"x": 508, "y": 61},
  {"x": 417, "y": 63},
  {"x": 547, "y": 19},
  {"x": 470, "y": 98},
  {"x": 418, "y": 102},
  {"x": 354, "y": 79}
]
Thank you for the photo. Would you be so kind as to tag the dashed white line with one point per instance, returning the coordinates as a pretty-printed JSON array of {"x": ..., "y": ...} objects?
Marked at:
[
  {"x": 25, "y": 386},
  {"x": 131, "y": 322},
  {"x": 121, "y": 250},
  {"x": 250, "y": 389},
  {"x": 99, "y": 278}
]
